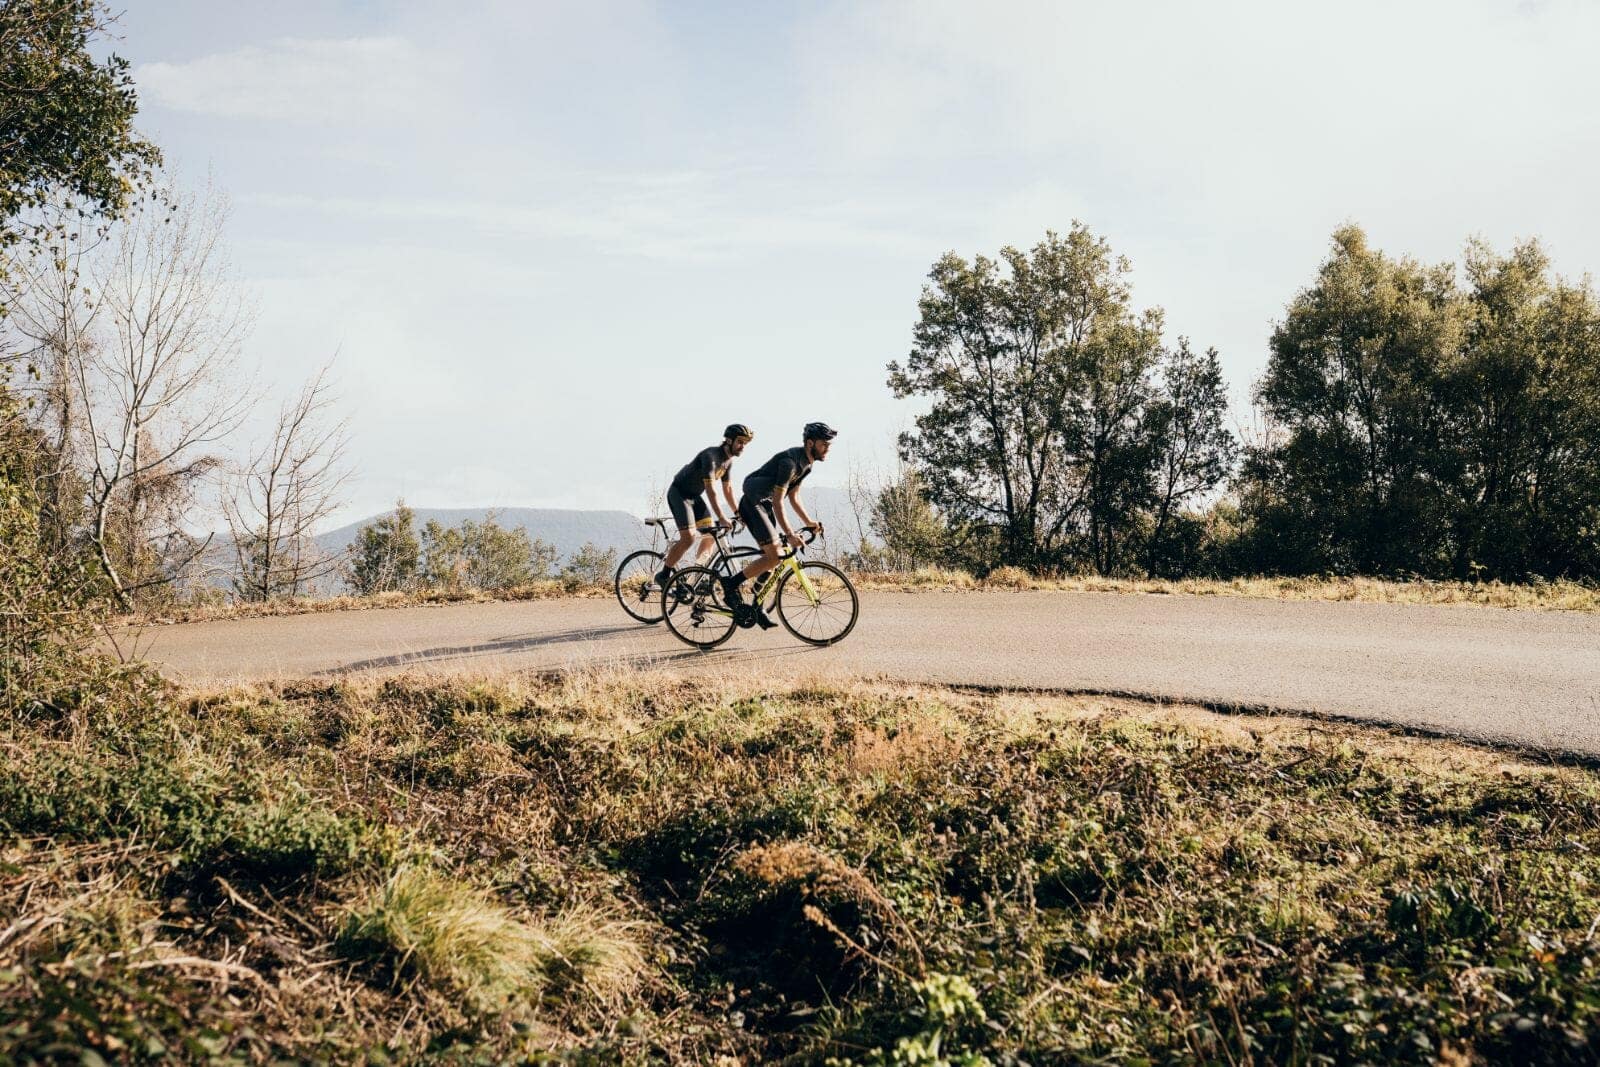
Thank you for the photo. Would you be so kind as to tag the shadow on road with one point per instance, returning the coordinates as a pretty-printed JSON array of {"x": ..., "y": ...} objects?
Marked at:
[
  {"x": 506, "y": 646},
  {"x": 500, "y": 647},
  {"x": 696, "y": 657}
]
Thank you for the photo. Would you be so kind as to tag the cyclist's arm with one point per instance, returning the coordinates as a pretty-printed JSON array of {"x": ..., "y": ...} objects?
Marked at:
[
  {"x": 716, "y": 508},
  {"x": 783, "y": 517},
  {"x": 733, "y": 505},
  {"x": 799, "y": 508}
]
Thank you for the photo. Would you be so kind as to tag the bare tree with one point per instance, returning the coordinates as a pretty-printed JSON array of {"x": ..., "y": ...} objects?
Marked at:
[
  {"x": 158, "y": 384},
  {"x": 861, "y": 489},
  {"x": 47, "y": 318},
  {"x": 286, "y": 490}
]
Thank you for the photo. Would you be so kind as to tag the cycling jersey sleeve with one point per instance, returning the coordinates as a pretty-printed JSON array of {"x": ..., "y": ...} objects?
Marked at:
[{"x": 784, "y": 474}]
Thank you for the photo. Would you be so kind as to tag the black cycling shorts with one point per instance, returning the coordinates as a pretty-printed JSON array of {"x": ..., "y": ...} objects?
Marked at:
[
  {"x": 680, "y": 508},
  {"x": 756, "y": 511}
]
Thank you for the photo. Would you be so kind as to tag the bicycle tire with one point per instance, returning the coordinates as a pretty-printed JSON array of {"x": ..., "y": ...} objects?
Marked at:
[
  {"x": 694, "y": 609},
  {"x": 635, "y": 583},
  {"x": 837, "y": 592}
]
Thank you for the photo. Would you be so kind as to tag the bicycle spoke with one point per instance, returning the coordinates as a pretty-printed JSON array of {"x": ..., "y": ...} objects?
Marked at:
[
  {"x": 822, "y": 613},
  {"x": 693, "y": 606}
]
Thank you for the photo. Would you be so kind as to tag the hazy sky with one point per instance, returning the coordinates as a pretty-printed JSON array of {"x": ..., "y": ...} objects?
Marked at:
[{"x": 558, "y": 246}]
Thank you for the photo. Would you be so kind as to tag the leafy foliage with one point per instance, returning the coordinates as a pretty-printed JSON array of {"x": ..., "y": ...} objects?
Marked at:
[
  {"x": 1425, "y": 428},
  {"x": 1049, "y": 442},
  {"x": 386, "y": 555},
  {"x": 66, "y": 118},
  {"x": 590, "y": 565},
  {"x": 482, "y": 555},
  {"x": 47, "y": 590},
  {"x": 910, "y": 533}
]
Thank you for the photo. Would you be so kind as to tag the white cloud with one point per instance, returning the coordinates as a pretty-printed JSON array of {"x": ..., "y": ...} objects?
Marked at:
[
  {"x": 504, "y": 219},
  {"x": 681, "y": 216},
  {"x": 1209, "y": 91},
  {"x": 321, "y": 81}
]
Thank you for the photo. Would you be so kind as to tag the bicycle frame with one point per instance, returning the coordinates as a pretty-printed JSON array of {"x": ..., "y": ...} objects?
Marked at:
[
  {"x": 661, "y": 540},
  {"x": 768, "y": 585},
  {"x": 790, "y": 562}
]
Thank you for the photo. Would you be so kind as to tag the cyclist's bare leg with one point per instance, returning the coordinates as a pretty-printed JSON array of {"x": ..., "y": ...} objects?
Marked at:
[
  {"x": 707, "y": 544},
  {"x": 769, "y": 559},
  {"x": 679, "y": 547}
]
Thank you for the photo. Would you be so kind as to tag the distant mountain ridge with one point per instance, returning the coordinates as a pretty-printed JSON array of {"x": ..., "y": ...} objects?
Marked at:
[{"x": 570, "y": 529}]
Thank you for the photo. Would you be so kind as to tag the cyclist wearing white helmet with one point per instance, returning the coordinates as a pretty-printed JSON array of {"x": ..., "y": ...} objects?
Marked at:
[
  {"x": 693, "y": 486},
  {"x": 761, "y": 506}
]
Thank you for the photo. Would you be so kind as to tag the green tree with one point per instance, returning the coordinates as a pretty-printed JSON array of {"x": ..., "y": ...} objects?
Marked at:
[
  {"x": 1045, "y": 432},
  {"x": 66, "y": 118},
  {"x": 1421, "y": 426},
  {"x": 1000, "y": 347},
  {"x": 66, "y": 129},
  {"x": 1524, "y": 397},
  {"x": 1195, "y": 453},
  {"x": 386, "y": 554},
  {"x": 1349, "y": 480},
  {"x": 1119, "y": 441}
]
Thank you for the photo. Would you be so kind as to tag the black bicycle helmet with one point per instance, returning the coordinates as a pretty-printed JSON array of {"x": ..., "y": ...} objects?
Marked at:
[
  {"x": 737, "y": 429},
  {"x": 819, "y": 431}
]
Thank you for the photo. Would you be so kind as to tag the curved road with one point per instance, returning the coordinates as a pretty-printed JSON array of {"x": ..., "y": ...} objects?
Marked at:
[{"x": 1510, "y": 677}]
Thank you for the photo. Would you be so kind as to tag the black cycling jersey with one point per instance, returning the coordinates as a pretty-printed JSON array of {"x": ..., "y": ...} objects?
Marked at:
[
  {"x": 708, "y": 465},
  {"x": 782, "y": 472}
]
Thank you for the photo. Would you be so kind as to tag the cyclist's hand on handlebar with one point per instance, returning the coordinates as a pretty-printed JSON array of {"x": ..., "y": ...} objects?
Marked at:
[
  {"x": 795, "y": 542},
  {"x": 817, "y": 526}
]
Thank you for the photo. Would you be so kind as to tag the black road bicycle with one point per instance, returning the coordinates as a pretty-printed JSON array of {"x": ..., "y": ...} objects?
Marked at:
[{"x": 636, "y": 586}]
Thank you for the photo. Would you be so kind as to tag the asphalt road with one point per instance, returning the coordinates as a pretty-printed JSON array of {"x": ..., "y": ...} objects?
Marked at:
[{"x": 1511, "y": 677}]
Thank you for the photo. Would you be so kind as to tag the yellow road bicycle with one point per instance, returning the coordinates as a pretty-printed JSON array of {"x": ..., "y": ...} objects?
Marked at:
[{"x": 814, "y": 601}]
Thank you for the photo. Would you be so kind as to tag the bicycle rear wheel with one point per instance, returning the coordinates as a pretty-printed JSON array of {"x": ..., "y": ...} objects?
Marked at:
[
  {"x": 821, "y": 609},
  {"x": 636, "y": 588},
  {"x": 694, "y": 609}
]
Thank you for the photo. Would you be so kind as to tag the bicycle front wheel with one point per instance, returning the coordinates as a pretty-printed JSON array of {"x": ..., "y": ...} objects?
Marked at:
[
  {"x": 636, "y": 585},
  {"x": 817, "y": 603},
  {"x": 694, "y": 609}
]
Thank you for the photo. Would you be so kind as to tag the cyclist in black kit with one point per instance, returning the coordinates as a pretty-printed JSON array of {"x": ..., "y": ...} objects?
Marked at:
[
  {"x": 761, "y": 506},
  {"x": 693, "y": 486}
]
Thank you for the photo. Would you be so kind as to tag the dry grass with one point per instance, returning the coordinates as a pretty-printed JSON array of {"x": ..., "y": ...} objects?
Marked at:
[
  {"x": 641, "y": 867},
  {"x": 1543, "y": 596},
  {"x": 1534, "y": 596},
  {"x": 470, "y": 946}
]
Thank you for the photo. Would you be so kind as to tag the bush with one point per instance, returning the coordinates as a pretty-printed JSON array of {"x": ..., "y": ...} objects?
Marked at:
[
  {"x": 482, "y": 555},
  {"x": 47, "y": 589},
  {"x": 210, "y": 824},
  {"x": 386, "y": 554},
  {"x": 590, "y": 566}
]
